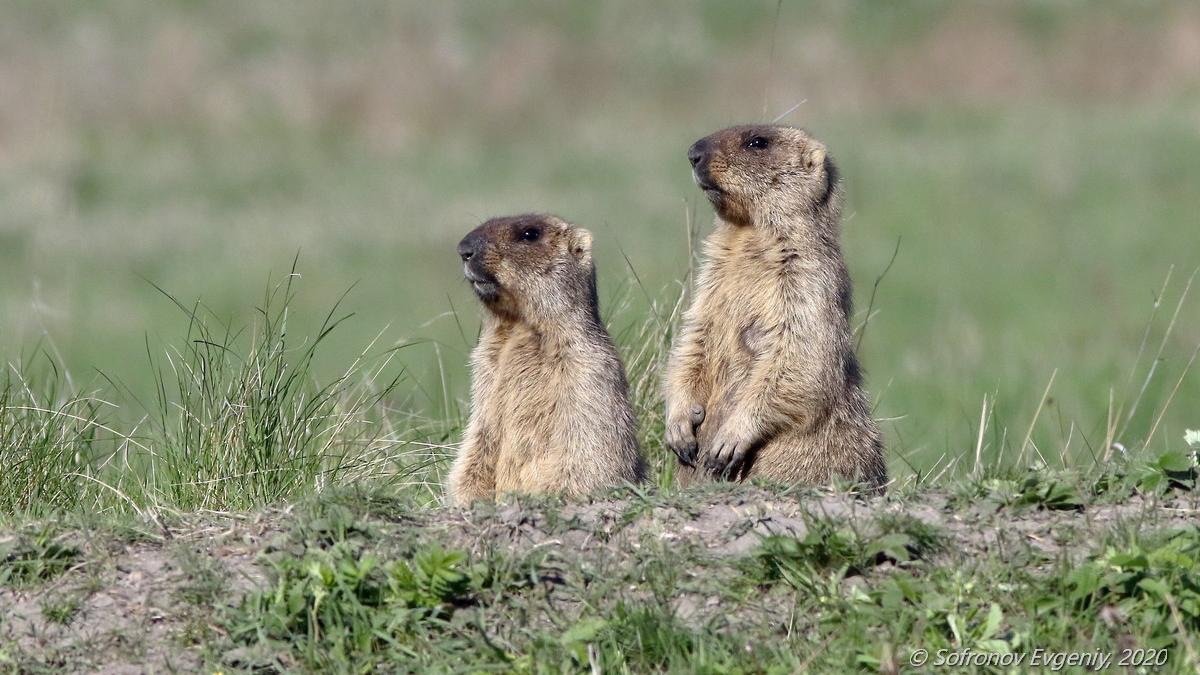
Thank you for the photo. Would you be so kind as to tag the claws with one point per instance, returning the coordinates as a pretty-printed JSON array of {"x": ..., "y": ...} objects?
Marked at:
[
  {"x": 687, "y": 454},
  {"x": 683, "y": 443},
  {"x": 681, "y": 436},
  {"x": 725, "y": 458}
]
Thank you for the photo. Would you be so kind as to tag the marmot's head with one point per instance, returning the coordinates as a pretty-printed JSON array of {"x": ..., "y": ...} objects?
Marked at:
[
  {"x": 754, "y": 171},
  {"x": 535, "y": 267}
]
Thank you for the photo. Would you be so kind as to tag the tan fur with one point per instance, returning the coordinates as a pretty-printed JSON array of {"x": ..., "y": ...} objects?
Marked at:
[
  {"x": 550, "y": 410},
  {"x": 763, "y": 381}
]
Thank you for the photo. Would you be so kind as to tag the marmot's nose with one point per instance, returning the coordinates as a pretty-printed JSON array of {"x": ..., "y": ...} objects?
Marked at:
[
  {"x": 698, "y": 151},
  {"x": 469, "y": 246}
]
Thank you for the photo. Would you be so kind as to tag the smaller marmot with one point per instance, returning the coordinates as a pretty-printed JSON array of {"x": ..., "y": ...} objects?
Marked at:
[
  {"x": 763, "y": 379},
  {"x": 550, "y": 410}
]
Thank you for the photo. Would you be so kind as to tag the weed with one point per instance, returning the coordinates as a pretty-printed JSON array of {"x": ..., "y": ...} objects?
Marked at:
[
  {"x": 30, "y": 558},
  {"x": 1033, "y": 488},
  {"x": 921, "y": 540},
  {"x": 1143, "y": 579},
  {"x": 60, "y": 609},
  {"x": 340, "y": 606}
]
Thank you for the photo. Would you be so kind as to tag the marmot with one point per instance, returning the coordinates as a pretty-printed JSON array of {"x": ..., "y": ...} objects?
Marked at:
[
  {"x": 550, "y": 411},
  {"x": 763, "y": 380}
]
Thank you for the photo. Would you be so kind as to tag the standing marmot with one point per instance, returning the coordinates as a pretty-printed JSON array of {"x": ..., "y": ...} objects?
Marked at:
[
  {"x": 550, "y": 406},
  {"x": 763, "y": 380}
]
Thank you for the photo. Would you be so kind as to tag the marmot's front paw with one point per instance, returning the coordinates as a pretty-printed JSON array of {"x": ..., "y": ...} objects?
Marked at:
[
  {"x": 681, "y": 433},
  {"x": 728, "y": 446}
]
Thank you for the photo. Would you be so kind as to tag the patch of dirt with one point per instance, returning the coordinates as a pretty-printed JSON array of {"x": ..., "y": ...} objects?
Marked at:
[
  {"x": 143, "y": 607},
  {"x": 731, "y": 524},
  {"x": 125, "y": 607}
]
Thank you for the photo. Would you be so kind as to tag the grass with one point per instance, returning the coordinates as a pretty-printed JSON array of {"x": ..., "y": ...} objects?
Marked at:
[
  {"x": 236, "y": 420},
  {"x": 47, "y": 432},
  {"x": 1020, "y": 229},
  {"x": 34, "y": 556},
  {"x": 1037, "y": 212},
  {"x": 239, "y": 419}
]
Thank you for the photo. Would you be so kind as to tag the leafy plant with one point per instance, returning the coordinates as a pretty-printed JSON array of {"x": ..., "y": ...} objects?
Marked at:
[
  {"x": 1033, "y": 488},
  {"x": 1153, "y": 583},
  {"x": 339, "y": 605},
  {"x": 905, "y": 537},
  {"x": 26, "y": 559},
  {"x": 433, "y": 579},
  {"x": 825, "y": 546},
  {"x": 1171, "y": 470}
]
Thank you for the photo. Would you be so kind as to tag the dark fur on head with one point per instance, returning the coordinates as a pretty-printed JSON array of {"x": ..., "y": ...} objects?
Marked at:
[
  {"x": 763, "y": 174},
  {"x": 531, "y": 267}
]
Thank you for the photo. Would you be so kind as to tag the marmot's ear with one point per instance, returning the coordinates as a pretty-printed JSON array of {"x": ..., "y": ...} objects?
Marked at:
[
  {"x": 580, "y": 245},
  {"x": 814, "y": 157}
]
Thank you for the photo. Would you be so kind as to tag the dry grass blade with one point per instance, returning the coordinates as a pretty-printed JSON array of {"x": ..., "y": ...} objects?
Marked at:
[{"x": 1033, "y": 423}]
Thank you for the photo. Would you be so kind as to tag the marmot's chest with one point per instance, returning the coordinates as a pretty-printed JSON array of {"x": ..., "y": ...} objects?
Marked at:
[
  {"x": 758, "y": 289},
  {"x": 536, "y": 383},
  {"x": 751, "y": 274},
  {"x": 528, "y": 369},
  {"x": 536, "y": 394}
]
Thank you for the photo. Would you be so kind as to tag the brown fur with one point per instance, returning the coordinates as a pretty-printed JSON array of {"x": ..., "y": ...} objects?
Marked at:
[
  {"x": 763, "y": 381},
  {"x": 550, "y": 408}
]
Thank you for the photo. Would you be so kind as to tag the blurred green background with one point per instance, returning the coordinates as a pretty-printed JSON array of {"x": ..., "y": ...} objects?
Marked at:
[{"x": 1037, "y": 163}]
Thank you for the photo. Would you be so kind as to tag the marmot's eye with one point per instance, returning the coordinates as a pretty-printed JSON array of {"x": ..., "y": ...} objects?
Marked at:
[
  {"x": 758, "y": 143},
  {"x": 531, "y": 234}
]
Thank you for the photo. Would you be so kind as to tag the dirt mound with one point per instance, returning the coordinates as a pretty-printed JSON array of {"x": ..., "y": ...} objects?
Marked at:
[{"x": 145, "y": 599}]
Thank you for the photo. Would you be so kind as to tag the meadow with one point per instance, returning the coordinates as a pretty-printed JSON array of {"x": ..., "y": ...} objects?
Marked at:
[
  {"x": 228, "y": 279},
  {"x": 1024, "y": 176}
]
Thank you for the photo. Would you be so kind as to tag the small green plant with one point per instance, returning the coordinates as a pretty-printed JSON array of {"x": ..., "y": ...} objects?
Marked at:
[
  {"x": 432, "y": 580},
  {"x": 1047, "y": 490},
  {"x": 829, "y": 546},
  {"x": 825, "y": 546},
  {"x": 1154, "y": 583},
  {"x": 33, "y": 558},
  {"x": 1032, "y": 488},
  {"x": 60, "y": 609},
  {"x": 339, "y": 607},
  {"x": 829, "y": 552},
  {"x": 918, "y": 539},
  {"x": 1171, "y": 470}
]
